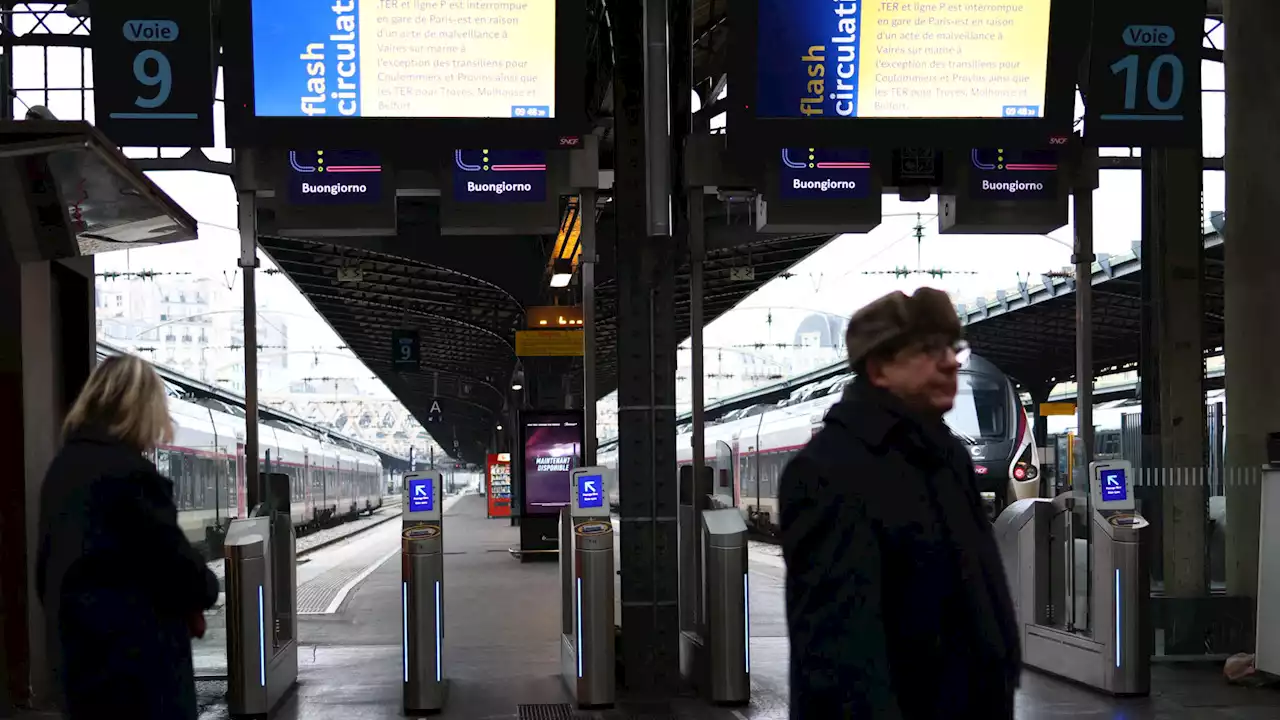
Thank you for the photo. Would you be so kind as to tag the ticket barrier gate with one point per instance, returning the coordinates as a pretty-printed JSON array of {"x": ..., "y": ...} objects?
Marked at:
[
  {"x": 1037, "y": 542},
  {"x": 422, "y": 594},
  {"x": 587, "y": 632},
  {"x": 261, "y": 593},
  {"x": 715, "y": 655}
]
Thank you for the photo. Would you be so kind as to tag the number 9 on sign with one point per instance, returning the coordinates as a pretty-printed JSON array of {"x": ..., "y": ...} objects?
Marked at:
[
  {"x": 406, "y": 350},
  {"x": 151, "y": 68}
]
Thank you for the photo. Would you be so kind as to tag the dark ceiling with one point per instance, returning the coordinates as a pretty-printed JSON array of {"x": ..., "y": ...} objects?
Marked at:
[
  {"x": 1033, "y": 337},
  {"x": 466, "y": 296}
]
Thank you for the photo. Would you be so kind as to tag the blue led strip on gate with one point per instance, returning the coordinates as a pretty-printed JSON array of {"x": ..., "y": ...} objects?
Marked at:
[
  {"x": 438, "y": 633},
  {"x": 262, "y": 643},
  {"x": 746, "y": 620},
  {"x": 579, "y": 633},
  {"x": 1117, "y": 617},
  {"x": 404, "y": 625}
]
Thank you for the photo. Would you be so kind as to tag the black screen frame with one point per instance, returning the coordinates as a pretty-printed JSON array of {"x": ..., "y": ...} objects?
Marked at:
[
  {"x": 1069, "y": 24},
  {"x": 245, "y": 129},
  {"x": 526, "y": 417}
]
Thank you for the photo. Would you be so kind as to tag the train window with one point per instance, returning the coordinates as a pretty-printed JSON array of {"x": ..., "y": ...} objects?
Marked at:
[{"x": 982, "y": 407}]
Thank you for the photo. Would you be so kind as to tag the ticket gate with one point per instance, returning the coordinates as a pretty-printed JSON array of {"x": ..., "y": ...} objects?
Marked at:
[
  {"x": 1038, "y": 545},
  {"x": 422, "y": 594},
  {"x": 587, "y": 656},
  {"x": 715, "y": 657},
  {"x": 261, "y": 593}
]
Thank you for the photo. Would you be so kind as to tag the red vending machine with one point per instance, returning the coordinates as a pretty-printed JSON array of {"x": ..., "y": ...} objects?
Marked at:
[{"x": 498, "y": 475}]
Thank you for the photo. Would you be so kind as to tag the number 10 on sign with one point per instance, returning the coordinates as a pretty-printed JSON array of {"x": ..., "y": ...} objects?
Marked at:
[{"x": 1131, "y": 67}]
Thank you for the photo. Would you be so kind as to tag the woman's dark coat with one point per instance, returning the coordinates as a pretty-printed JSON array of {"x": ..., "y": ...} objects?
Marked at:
[
  {"x": 119, "y": 583},
  {"x": 897, "y": 603}
]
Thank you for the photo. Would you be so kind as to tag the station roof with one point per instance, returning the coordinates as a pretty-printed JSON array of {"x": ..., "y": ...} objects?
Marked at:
[
  {"x": 1029, "y": 332},
  {"x": 197, "y": 391},
  {"x": 466, "y": 296}
]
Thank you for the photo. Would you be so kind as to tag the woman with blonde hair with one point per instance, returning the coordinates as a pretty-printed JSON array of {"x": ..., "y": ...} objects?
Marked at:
[{"x": 122, "y": 588}]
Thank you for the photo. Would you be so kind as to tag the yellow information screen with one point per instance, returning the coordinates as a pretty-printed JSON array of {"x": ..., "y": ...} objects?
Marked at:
[{"x": 853, "y": 59}]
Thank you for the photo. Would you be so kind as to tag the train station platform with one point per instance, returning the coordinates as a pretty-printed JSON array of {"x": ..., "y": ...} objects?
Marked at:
[{"x": 502, "y": 651}]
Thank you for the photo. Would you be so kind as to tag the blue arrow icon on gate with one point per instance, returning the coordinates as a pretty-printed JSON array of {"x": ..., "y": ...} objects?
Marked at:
[
  {"x": 589, "y": 486},
  {"x": 420, "y": 491}
]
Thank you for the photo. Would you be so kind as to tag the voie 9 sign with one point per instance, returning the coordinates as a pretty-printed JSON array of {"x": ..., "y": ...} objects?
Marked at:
[
  {"x": 153, "y": 72},
  {"x": 491, "y": 175}
]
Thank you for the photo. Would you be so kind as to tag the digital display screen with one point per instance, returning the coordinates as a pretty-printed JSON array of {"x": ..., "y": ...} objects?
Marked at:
[
  {"x": 499, "y": 176},
  {"x": 933, "y": 59},
  {"x": 1009, "y": 174},
  {"x": 334, "y": 177},
  {"x": 1113, "y": 485},
  {"x": 421, "y": 497},
  {"x": 552, "y": 449},
  {"x": 590, "y": 491},
  {"x": 404, "y": 58},
  {"x": 816, "y": 173}
]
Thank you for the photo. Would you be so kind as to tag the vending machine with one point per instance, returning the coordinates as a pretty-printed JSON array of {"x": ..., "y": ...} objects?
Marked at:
[{"x": 498, "y": 484}]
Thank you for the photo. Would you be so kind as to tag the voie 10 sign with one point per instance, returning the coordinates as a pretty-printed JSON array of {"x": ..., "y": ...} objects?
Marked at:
[
  {"x": 334, "y": 177},
  {"x": 1144, "y": 74},
  {"x": 153, "y": 72},
  {"x": 824, "y": 173},
  {"x": 491, "y": 175}
]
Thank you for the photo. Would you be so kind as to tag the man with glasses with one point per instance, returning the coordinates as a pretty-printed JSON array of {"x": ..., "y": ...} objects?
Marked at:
[{"x": 897, "y": 603}]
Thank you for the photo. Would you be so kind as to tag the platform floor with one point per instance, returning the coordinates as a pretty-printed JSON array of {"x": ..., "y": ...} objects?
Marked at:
[{"x": 502, "y": 644}]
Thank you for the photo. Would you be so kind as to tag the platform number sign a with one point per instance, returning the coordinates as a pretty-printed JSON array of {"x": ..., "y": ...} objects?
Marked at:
[
  {"x": 406, "y": 350},
  {"x": 153, "y": 72},
  {"x": 1144, "y": 74}
]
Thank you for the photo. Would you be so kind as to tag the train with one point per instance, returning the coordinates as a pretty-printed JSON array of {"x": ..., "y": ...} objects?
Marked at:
[
  {"x": 748, "y": 448},
  {"x": 332, "y": 479}
]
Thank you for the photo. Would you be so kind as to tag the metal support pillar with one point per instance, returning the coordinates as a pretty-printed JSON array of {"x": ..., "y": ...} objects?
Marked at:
[
  {"x": 1173, "y": 258},
  {"x": 1252, "y": 66},
  {"x": 587, "y": 236},
  {"x": 1083, "y": 257},
  {"x": 247, "y": 217},
  {"x": 646, "y": 364}
]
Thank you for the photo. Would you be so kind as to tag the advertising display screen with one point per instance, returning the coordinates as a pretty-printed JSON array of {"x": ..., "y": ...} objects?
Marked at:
[
  {"x": 821, "y": 173},
  {"x": 499, "y": 176},
  {"x": 421, "y": 499},
  {"x": 334, "y": 177},
  {"x": 928, "y": 59},
  {"x": 552, "y": 448},
  {"x": 1008, "y": 174},
  {"x": 1113, "y": 485},
  {"x": 404, "y": 58}
]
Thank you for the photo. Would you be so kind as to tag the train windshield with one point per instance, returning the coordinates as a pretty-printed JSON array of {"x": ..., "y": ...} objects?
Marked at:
[{"x": 981, "y": 411}]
